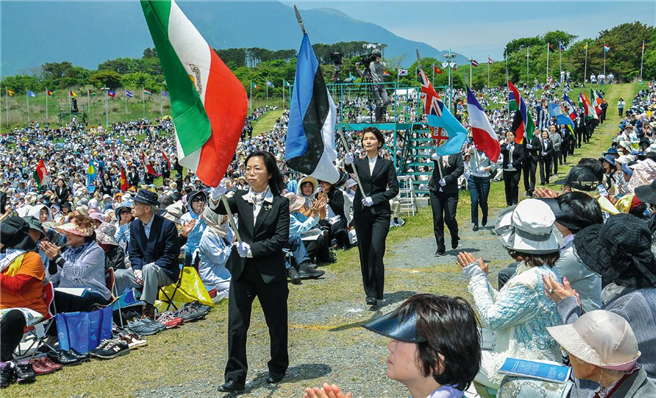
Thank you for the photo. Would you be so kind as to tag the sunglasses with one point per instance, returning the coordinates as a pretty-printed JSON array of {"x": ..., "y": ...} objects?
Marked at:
[{"x": 198, "y": 200}]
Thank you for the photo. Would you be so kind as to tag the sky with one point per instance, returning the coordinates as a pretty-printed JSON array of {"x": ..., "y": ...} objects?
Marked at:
[{"x": 482, "y": 28}]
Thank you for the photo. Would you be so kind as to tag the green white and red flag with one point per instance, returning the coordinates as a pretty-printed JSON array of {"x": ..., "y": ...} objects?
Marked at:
[
  {"x": 41, "y": 174},
  {"x": 208, "y": 102}
]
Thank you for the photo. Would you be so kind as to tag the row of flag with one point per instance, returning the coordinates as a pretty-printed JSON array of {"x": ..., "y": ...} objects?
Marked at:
[
  {"x": 92, "y": 93},
  {"x": 285, "y": 84}
]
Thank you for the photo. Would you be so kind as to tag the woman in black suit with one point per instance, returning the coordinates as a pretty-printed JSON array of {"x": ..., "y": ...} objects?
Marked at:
[
  {"x": 257, "y": 265},
  {"x": 371, "y": 210},
  {"x": 545, "y": 156},
  {"x": 513, "y": 156}
]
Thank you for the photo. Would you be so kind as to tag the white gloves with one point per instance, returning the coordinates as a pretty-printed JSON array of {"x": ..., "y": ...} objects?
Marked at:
[
  {"x": 435, "y": 156},
  {"x": 529, "y": 146},
  {"x": 480, "y": 169},
  {"x": 442, "y": 182},
  {"x": 367, "y": 201},
  {"x": 242, "y": 248},
  {"x": 138, "y": 274},
  {"x": 510, "y": 165},
  {"x": 216, "y": 193},
  {"x": 348, "y": 159}
]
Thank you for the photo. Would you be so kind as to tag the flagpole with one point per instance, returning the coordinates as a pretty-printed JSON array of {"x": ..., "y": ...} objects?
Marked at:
[
  {"x": 527, "y": 78},
  {"x": 433, "y": 80},
  {"x": 106, "y": 109},
  {"x": 604, "y": 60},
  {"x": 126, "y": 106},
  {"x": 143, "y": 100},
  {"x": 642, "y": 57},
  {"x": 70, "y": 109},
  {"x": 161, "y": 105},
  {"x": 283, "y": 95},
  {"x": 560, "y": 53},
  {"x": 547, "y": 80},
  {"x": 7, "y": 106},
  {"x": 471, "y": 65},
  {"x": 250, "y": 99},
  {"x": 488, "y": 72},
  {"x": 46, "y": 105},
  {"x": 267, "y": 93},
  {"x": 585, "y": 67},
  {"x": 27, "y": 97}
]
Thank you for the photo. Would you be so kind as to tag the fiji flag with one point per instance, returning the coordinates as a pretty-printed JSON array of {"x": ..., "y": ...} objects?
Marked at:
[
  {"x": 310, "y": 143},
  {"x": 554, "y": 111}
]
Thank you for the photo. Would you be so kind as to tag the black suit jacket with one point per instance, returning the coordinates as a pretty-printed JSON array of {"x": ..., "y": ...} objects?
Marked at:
[
  {"x": 534, "y": 152},
  {"x": 381, "y": 185},
  {"x": 454, "y": 169},
  {"x": 161, "y": 247},
  {"x": 266, "y": 236},
  {"x": 517, "y": 156}
]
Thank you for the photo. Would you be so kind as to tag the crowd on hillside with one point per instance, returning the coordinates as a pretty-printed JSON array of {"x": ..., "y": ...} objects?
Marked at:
[{"x": 73, "y": 223}]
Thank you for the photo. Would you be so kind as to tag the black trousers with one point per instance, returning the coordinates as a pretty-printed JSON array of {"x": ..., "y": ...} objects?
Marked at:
[
  {"x": 444, "y": 209},
  {"x": 556, "y": 160},
  {"x": 372, "y": 230},
  {"x": 339, "y": 230},
  {"x": 273, "y": 299},
  {"x": 65, "y": 302},
  {"x": 545, "y": 169},
  {"x": 530, "y": 168},
  {"x": 11, "y": 329},
  {"x": 318, "y": 249},
  {"x": 511, "y": 182}
]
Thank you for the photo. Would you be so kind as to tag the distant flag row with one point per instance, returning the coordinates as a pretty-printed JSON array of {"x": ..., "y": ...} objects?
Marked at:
[{"x": 92, "y": 93}]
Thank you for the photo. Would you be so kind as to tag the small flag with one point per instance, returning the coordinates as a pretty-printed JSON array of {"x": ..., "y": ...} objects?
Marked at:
[
  {"x": 555, "y": 111},
  {"x": 310, "y": 143},
  {"x": 269, "y": 84},
  {"x": 253, "y": 85},
  {"x": 129, "y": 94},
  {"x": 147, "y": 165},
  {"x": 91, "y": 93},
  {"x": 474, "y": 63},
  {"x": 454, "y": 66},
  {"x": 146, "y": 92},
  {"x": 50, "y": 93},
  {"x": 72, "y": 93},
  {"x": 124, "y": 181},
  {"x": 111, "y": 93},
  {"x": 571, "y": 111},
  {"x": 165, "y": 94},
  {"x": 606, "y": 48},
  {"x": 489, "y": 60},
  {"x": 551, "y": 49},
  {"x": 561, "y": 47},
  {"x": 437, "y": 70},
  {"x": 41, "y": 174},
  {"x": 168, "y": 163},
  {"x": 31, "y": 94},
  {"x": 386, "y": 73},
  {"x": 288, "y": 84},
  {"x": 92, "y": 174},
  {"x": 403, "y": 72},
  {"x": 11, "y": 93}
]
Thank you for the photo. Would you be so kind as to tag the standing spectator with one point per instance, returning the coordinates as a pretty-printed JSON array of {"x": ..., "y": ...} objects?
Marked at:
[
  {"x": 513, "y": 157},
  {"x": 557, "y": 141},
  {"x": 620, "y": 106}
]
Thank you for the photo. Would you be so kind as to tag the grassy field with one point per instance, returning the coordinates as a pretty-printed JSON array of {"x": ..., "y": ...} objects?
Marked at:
[
  {"x": 195, "y": 353},
  {"x": 266, "y": 122}
]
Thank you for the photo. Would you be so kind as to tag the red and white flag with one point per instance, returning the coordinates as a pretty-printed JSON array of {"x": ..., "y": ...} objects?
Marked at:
[
  {"x": 485, "y": 139},
  {"x": 489, "y": 60}
]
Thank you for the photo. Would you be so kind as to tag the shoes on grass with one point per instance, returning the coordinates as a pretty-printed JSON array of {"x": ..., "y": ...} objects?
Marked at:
[
  {"x": 111, "y": 348},
  {"x": 145, "y": 327}
]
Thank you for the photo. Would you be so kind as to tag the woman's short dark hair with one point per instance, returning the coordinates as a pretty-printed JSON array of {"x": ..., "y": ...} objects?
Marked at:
[
  {"x": 585, "y": 207},
  {"x": 452, "y": 351},
  {"x": 376, "y": 132},
  {"x": 275, "y": 182},
  {"x": 535, "y": 260},
  {"x": 595, "y": 166}
]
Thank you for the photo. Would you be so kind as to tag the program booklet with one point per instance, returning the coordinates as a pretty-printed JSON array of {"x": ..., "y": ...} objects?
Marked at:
[{"x": 543, "y": 370}]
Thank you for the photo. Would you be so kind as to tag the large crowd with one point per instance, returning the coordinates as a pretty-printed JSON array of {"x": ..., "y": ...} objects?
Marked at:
[{"x": 580, "y": 255}]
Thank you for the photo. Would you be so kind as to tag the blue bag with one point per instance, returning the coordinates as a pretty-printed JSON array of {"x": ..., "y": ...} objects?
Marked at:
[{"x": 83, "y": 331}]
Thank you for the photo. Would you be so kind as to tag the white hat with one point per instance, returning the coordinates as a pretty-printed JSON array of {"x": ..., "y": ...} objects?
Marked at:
[
  {"x": 601, "y": 338},
  {"x": 529, "y": 227}
]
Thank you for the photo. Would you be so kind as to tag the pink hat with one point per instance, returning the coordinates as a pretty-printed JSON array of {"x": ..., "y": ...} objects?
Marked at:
[{"x": 73, "y": 228}]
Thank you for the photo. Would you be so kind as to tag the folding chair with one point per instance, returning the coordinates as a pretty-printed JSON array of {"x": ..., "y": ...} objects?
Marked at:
[
  {"x": 39, "y": 331},
  {"x": 110, "y": 283},
  {"x": 169, "y": 299}
]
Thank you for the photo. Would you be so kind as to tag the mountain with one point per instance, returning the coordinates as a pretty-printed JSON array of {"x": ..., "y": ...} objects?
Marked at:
[{"x": 91, "y": 32}]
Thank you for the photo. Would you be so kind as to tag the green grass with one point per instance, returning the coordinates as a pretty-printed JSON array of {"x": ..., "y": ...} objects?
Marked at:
[
  {"x": 266, "y": 122},
  {"x": 196, "y": 352}
]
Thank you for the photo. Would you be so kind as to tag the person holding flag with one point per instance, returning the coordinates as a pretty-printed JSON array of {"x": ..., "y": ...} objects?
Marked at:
[{"x": 483, "y": 157}]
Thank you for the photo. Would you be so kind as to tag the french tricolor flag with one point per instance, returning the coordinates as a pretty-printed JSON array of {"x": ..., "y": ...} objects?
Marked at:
[{"x": 485, "y": 139}]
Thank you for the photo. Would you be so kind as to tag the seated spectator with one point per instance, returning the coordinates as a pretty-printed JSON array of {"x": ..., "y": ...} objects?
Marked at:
[
  {"x": 214, "y": 249},
  {"x": 22, "y": 276},
  {"x": 619, "y": 251},
  {"x": 647, "y": 195},
  {"x": 114, "y": 255},
  {"x": 337, "y": 209},
  {"x": 304, "y": 266},
  {"x": 603, "y": 348},
  {"x": 425, "y": 354},
  {"x": 520, "y": 312},
  {"x": 123, "y": 219},
  {"x": 196, "y": 201},
  {"x": 80, "y": 265},
  {"x": 154, "y": 252}
]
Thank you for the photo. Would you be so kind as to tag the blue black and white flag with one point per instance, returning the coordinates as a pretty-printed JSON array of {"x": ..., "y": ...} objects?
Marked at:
[
  {"x": 310, "y": 144},
  {"x": 544, "y": 120}
]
